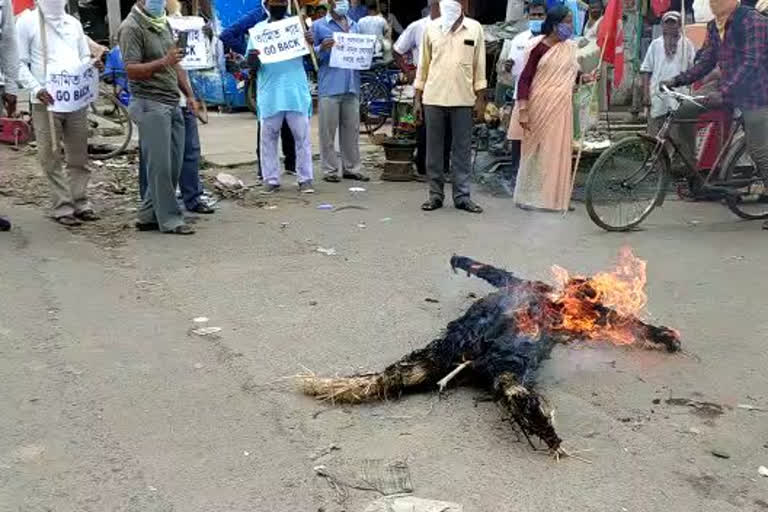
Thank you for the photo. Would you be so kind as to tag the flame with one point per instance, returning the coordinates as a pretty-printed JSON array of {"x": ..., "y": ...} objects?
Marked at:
[
  {"x": 622, "y": 289},
  {"x": 578, "y": 304}
]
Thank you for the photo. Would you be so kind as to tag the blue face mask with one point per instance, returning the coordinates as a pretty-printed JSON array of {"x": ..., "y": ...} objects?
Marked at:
[
  {"x": 535, "y": 26},
  {"x": 564, "y": 31},
  {"x": 155, "y": 8},
  {"x": 342, "y": 7}
]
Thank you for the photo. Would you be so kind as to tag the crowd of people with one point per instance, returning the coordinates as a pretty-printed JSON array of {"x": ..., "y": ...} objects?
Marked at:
[{"x": 443, "y": 54}]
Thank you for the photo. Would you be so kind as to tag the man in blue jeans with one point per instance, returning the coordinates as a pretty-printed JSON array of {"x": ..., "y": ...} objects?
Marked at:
[
  {"x": 152, "y": 65},
  {"x": 189, "y": 180}
]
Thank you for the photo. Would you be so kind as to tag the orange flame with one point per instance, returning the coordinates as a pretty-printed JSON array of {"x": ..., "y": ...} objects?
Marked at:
[
  {"x": 622, "y": 289},
  {"x": 578, "y": 306}
]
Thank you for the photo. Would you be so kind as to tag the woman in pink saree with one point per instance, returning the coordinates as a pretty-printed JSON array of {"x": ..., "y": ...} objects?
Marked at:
[{"x": 543, "y": 116}]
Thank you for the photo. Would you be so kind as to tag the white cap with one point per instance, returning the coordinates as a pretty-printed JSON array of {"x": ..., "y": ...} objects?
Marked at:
[{"x": 672, "y": 15}]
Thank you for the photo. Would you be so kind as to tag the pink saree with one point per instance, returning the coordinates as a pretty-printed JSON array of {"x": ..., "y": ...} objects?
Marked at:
[{"x": 544, "y": 179}]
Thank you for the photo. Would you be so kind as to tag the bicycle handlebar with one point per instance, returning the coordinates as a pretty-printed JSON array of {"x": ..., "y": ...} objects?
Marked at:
[{"x": 683, "y": 97}]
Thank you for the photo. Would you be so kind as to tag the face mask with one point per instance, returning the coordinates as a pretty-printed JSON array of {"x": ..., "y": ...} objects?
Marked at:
[
  {"x": 564, "y": 31},
  {"x": 53, "y": 9},
  {"x": 278, "y": 11},
  {"x": 342, "y": 7},
  {"x": 535, "y": 26},
  {"x": 450, "y": 10},
  {"x": 155, "y": 8}
]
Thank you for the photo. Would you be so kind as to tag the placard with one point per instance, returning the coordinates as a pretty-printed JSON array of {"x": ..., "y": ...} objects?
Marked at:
[
  {"x": 352, "y": 51},
  {"x": 279, "y": 41},
  {"x": 199, "y": 54},
  {"x": 73, "y": 89}
]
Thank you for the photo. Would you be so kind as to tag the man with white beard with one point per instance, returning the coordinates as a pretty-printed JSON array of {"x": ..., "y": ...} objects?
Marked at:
[{"x": 61, "y": 45}]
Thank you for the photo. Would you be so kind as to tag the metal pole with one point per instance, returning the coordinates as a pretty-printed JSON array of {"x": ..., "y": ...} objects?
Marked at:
[{"x": 114, "y": 18}]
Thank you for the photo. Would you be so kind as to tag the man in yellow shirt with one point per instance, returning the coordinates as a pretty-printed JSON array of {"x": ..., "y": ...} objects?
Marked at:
[{"x": 449, "y": 82}]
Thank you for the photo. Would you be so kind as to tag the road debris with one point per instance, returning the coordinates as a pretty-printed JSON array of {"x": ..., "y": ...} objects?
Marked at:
[
  {"x": 362, "y": 225},
  {"x": 206, "y": 331},
  {"x": 200, "y": 320},
  {"x": 325, "y": 206},
  {"x": 720, "y": 454},
  {"x": 411, "y": 504},
  {"x": 322, "y": 452},
  {"x": 431, "y": 300},
  {"x": 355, "y": 190},
  {"x": 762, "y": 471},
  {"x": 199, "y": 366},
  {"x": 225, "y": 181},
  {"x": 748, "y": 407},
  {"x": 386, "y": 478},
  {"x": 350, "y": 207},
  {"x": 704, "y": 409},
  {"x": 327, "y": 252},
  {"x": 386, "y": 219}
]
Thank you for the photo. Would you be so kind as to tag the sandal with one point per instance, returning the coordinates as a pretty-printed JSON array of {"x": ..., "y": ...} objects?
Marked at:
[
  {"x": 331, "y": 178},
  {"x": 87, "y": 216},
  {"x": 469, "y": 206},
  {"x": 181, "y": 230},
  {"x": 69, "y": 221},
  {"x": 355, "y": 176},
  {"x": 432, "y": 205}
]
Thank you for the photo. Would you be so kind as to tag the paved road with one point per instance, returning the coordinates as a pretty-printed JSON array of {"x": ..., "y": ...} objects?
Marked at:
[{"x": 109, "y": 404}]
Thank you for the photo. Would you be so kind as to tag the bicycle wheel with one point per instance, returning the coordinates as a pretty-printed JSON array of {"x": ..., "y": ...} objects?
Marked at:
[
  {"x": 749, "y": 201},
  {"x": 110, "y": 127},
  {"x": 625, "y": 184},
  {"x": 372, "y": 96}
]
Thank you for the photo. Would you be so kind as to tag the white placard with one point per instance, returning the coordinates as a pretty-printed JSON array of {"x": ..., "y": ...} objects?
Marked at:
[
  {"x": 352, "y": 51},
  {"x": 199, "y": 54},
  {"x": 279, "y": 41},
  {"x": 73, "y": 89}
]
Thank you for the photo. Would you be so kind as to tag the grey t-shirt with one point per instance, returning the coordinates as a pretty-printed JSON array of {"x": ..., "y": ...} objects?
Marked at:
[{"x": 142, "y": 42}]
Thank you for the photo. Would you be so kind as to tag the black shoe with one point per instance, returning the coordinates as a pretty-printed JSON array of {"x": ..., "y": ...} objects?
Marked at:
[
  {"x": 331, "y": 178},
  {"x": 355, "y": 176},
  {"x": 469, "y": 206},
  {"x": 5, "y": 224},
  {"x": 270, "y": 189},
  {"x": 147, "y": 226},
  {"x": 432, "y": 205},
  {"x": 202, "y": 209}
]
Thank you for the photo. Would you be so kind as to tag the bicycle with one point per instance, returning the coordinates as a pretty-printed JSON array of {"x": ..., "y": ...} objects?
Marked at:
[
  {"x": 377, "y": 102},
  {"x": 620, "y": 194},
  {"x": 108, "y": 116}
]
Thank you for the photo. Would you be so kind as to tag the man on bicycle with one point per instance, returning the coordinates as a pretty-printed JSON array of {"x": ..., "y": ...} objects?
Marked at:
[{"x": 737, "y": 42}]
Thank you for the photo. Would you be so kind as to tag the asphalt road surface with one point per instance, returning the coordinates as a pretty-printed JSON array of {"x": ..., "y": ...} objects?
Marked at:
[{"x": 109, "y": 403}]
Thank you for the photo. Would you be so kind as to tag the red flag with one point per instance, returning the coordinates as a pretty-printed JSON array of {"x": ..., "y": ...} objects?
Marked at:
[{"x": 610, "y": 38}]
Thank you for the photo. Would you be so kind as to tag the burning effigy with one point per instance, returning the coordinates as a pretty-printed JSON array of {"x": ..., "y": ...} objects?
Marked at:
[{"x": 503, "y": 338}]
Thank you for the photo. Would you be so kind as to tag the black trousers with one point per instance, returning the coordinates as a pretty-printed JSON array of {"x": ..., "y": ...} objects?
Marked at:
[{"x": 421, "y": 149}]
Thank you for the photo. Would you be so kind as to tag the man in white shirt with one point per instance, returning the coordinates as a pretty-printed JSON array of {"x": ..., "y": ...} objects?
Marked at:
[
  {"x": 374, "y": 24},
  {"x": 394, "y": 23},
  {"x": 9, "y": 71},
  {"x": 62, "y": 45},
  {"x": 9, "y": 59},
  {"x": 664, "y": 61},
  {"x": 512, "y": 56},
  {"x": 409, "y": 43}
]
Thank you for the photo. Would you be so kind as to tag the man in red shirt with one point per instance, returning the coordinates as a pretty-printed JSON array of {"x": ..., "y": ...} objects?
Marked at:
[{"x": 737, "y": 42}]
